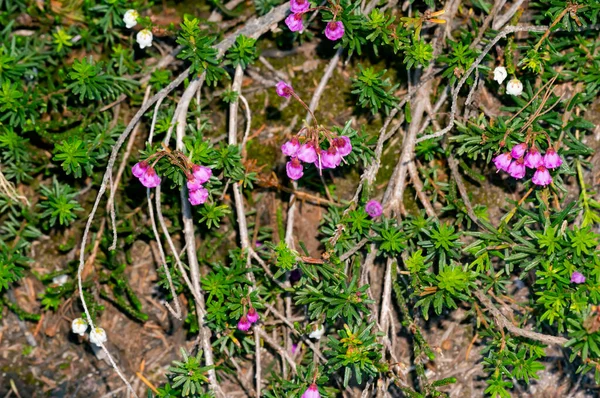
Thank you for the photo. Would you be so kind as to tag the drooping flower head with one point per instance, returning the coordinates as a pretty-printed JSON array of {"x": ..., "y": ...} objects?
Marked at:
[
  {"x": 343, "y": 145},
  {"x": 98, "y": 336},
  {"x": 252, "y": 315},
  {"x": 374, "y": 208},
  {"x": 533, "y": 159},
  {"x": 517, "y": 169},
  {"x": 201, "y": 173},
  {"x": 198, "y": 196},
  {"x": 294, "y": 169},
  {"x": 577, "y": 277},
  {"x": 334, "y": 30},
  {"x": 290, "y": 148},
  {"x": 294, "y": 22},
  {"x": 514, "y": 87},
  {"x": 307, "y": 153},
  {"x": 298, "y": 6},
  {"x": 144, "y": 38},
  {"x": 130, "y": 18},
  {"x": 150, "y": 179},
  {"x": 283, "y": 89},
  {"x": 551, "y": 159},
  {"x": 541, "y": 177},
  {"x": 312, "y": 392},
  {"x": 500, "y": 74},
  {"x": 518, "y": 150},
  {"x": 244, "y": 324},
  {"x": 502, "y": 161},
  {"x": 139, "y": 169},
  {"x": 79, "y": 326}
]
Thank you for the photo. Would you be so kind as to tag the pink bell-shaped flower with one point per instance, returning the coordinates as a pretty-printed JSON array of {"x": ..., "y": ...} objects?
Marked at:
[
  {"x": 533, "y": 159},
  {"x": 294, "y": 22},
  {"x": 502, "y": 161},
  {"x": 307, "y": 152},
  {"x": 551, "y": 159},
  {"x": 343, "y": 145},
  {"x": 139, "y": 169},
  {"x": 150, "y": 179},
  {"x": 577, "y": 277},
  {"x": 294, "y": 169},
  {"x": 252, "y": 315},
  {"x": 373, "y": 208},
  {"x": 330, "y": 158},
  {"x": 517, "y": 169},
  {"x": 334, "y": 30},
  {"x": 299, "y": 6},
  {"x": 290, "y": 148},
  {"x": 198, "y": 196},
  {"x": 518, "y": 150},
  {"x": 541, "y": 177},
  {"x": 201, "y": 173},
  {"x": 312, "y": 392},
  {"x": 244, "y": 324},
  {"x": 283, "y": 89}
]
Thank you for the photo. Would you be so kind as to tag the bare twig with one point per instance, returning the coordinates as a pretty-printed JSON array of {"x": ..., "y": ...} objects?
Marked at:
[{"x": 502, "y": 322}]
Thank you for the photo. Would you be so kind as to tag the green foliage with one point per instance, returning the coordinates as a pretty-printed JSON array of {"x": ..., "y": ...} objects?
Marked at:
[
  {"x": 189, "y": 374},
  {"x": 91, "y": 82},
  {"x": 372, "y": 90},
  {"x": 198, "y": 49},
  {"x": 243, "y": 52},
  {"x": 59, "y": 203}
]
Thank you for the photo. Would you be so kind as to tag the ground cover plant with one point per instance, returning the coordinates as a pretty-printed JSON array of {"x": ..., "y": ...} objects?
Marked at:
[{"x": 299, "y": 199}]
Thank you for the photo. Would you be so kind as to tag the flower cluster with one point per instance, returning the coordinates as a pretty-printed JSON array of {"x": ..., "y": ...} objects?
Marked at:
[
  {"x": 196, "y": 175},
  {"x": 247, "y": 320},
  {"x": 522, "y": 157},
  {"x": 334, "y": 29},
  {"x": 144, "y": 37},
  {"x": 97, "y": 335},
  {"x": 513, "y": 87},
  {"x": 305, "y": 147}
]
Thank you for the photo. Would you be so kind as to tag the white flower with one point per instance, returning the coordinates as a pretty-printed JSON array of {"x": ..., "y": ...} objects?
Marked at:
[
  {"x": 98, "y": 336},
  {"x": 144, "y": 38},
  {"x": 500, "y": 74},
  {"x": 514, "y": 87},
  {"x": 79, "y": 326},
  {"x": 60, "y": 280},
  {"x": 318, "y": 333},
  {"x": 130, "y": 18}
]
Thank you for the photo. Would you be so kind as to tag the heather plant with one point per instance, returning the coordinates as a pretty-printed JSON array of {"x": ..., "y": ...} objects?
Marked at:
[{"x": 448, "y": 148}]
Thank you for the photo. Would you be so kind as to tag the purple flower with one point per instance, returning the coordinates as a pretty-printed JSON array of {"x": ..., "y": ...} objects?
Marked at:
[
  {"x": 294, "y": 169},
  {"x": 502, "y": 161},
  {"x": 517, "y": 169},
  {"x": 139, "y": 169},
  {"x": 334, "y": 30},
  {"x": 330, "y": 158},
  {"x": 533, "y": 159},
  {"x": 307, "y": 152},
  {"x": 193, "y": 183},
  {"x": 252, "y": 315},
  {"x": 198, "y": 196},
  {"x": 294, "y": 22},
  {"x": 201, "y": 173},
  {"x": 373, "y": 208},
  {"x": 541, "y": 177},
  {"x": 294, "y": 348},
  {"x": 297, "y": 6},
  {"x": 551, "y": 159},
  {"x": 295, "y": 275},
  {"x": 283, "y": 89},
  {"x": 518, "y": 150},
  {"x": 150, "y": 179},
  {"x": 291, "y": 148},
  {"x": 244, "y": 324},
  {"x": 312, "y": 392},
  {"x": 343, "y": 144},
  {"x": 577, "y": 277}
]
